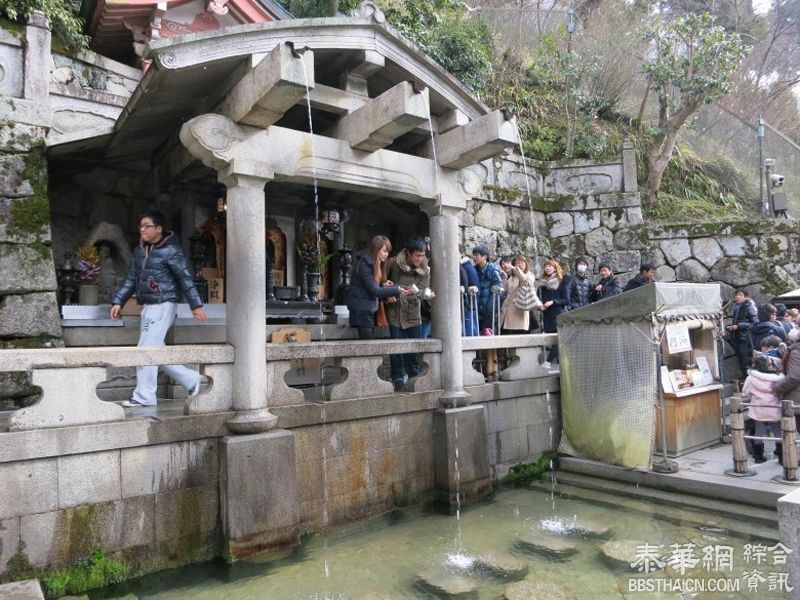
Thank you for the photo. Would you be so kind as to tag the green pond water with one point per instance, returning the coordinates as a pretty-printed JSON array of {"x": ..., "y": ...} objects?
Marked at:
[{"x": 382, "y": 558}]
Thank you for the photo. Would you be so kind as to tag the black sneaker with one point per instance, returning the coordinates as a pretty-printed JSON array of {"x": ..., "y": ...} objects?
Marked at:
[
  {"x": 400, "y": 386},
  {"x": 760, "y": 459}
]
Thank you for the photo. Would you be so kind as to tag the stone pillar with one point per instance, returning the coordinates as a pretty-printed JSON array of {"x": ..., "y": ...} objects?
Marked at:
[
  {"x": 258, "y": 493},
  {"x": 446, "y": 283},
  {"x": 461, "y": 450},
  {"x": 246, "y": 297},
  {"x": 789, "y": 528},
  {"x": 629, "y": 180},
  {"x": 37, "y": 55}
]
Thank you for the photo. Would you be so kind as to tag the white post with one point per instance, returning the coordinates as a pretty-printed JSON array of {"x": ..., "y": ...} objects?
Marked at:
[
  {"x": 446, "y": 310},
  {"x": 246, "y": 299}
]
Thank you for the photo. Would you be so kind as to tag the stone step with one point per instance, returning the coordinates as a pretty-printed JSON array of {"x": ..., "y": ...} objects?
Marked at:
[
  {"x": 551, "y": 546},
  {"x": 502, "y": 565},
  {"x": 446, "y": 585},
  {"x": 22, "y": 590},
  {"x": 620, "y": 553}
]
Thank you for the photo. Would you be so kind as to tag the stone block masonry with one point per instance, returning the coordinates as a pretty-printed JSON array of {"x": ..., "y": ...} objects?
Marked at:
[{"x": 589, "y": 210}]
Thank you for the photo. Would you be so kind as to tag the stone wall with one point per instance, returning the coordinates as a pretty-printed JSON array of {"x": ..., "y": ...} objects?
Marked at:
[
  {"x": 604, "y": 222},
  {"x": 28, "y": 308},
  {"x": 147, "y": 491}
]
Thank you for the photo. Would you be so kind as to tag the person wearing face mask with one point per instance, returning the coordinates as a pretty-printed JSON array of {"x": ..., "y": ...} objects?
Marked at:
[{"x": 579, "y": 286}]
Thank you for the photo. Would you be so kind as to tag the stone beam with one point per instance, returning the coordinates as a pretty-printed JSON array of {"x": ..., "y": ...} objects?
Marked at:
[
  {"x": 301, "y": 157},
  {"x": 380, "y": 121},
  {"x": 483, "y": 138},
  {"x": 355, "y": 79},
  {"x": 270, "y": 87}
]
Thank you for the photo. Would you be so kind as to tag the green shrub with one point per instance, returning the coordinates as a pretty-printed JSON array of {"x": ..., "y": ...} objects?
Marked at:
[
  {"x": 62, "y": 14},
  {"x": 522, "y": 474},
  {"x": 95, "y": 572}
]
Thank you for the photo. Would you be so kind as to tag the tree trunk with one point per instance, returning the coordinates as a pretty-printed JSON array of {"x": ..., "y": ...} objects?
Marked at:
[
  {"x": 333, "y": 7},
  {"x": 661, "y": 150}
]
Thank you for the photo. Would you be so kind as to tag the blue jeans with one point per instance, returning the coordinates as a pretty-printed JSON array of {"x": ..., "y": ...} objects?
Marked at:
[
  {"x": 404, "y": 364},
  {"x": 155, "y": 321}
]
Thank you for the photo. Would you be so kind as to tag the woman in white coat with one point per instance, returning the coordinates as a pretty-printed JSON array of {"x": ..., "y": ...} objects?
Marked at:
[{"x": 514, "y": 320}]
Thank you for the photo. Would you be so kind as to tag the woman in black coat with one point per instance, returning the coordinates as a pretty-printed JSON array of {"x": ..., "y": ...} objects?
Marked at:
[
  {"x": 368, "y": 285},
  {"x": 554, "y": 297}
]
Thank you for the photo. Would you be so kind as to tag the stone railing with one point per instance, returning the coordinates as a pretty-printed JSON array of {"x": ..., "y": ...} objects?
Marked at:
[
  {"x": 357, "y": 361},
  {"x": 527, "y": 355},
  {"x": 68, "y": 378}
]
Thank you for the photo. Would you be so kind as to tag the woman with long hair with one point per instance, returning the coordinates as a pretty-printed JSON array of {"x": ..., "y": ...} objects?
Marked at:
[
  {"x": 368, "y": 286},
  {"x": 553, "y": 294},
  {"x": 514, "y": 320}
]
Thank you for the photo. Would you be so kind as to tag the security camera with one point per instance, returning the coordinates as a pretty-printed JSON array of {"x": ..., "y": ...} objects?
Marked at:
[{"x": 777, "y": 180}]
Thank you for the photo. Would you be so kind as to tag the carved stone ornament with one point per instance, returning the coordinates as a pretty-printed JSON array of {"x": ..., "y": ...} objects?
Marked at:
[
  {"x": 471, "y": 182},
  {"x": 210, "y": 138},
  {"x": 368, "y": 10}
]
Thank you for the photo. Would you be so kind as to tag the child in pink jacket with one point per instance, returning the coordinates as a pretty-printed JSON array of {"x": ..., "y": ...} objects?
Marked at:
[{"x": 766, "y": 404}]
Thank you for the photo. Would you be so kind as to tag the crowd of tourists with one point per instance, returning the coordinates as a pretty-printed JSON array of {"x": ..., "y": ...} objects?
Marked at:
[
  {"x": 766, "y": 340},
  {"x": 503, "y": 297}
]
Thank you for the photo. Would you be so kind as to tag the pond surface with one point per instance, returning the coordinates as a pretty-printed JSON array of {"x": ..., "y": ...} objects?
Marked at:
[{"x": 558, "y": 538}]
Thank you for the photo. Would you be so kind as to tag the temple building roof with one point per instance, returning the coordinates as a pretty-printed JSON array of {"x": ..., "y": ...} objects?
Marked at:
[
  {"x": 121, "y": 28},
  {"x": 355, "y": 60}
]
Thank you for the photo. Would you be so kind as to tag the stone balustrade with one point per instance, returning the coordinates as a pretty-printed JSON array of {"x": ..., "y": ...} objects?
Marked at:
[
  {"x": 527, "y": 355},
  {"x": 68, "y": 378},
  {"x": 358, "y": 361}
]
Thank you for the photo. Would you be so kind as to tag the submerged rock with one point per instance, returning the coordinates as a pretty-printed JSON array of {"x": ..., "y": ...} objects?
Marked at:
[
  {"x": 594, "y": 529},
  {"x": 447, "y": 585},
  {"x": 548, "y": 545},
  {"x": 373, "y": 596},
  {"x": 537, "y": 590},
  {"x": 502, "y": 564},
  {"x": 620, "y": 553}
]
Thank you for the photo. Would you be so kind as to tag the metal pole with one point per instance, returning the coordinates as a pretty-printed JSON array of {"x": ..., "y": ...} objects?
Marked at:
[
  {"x": 661, "y": 406},
  {"x": 760, "y": 135}
]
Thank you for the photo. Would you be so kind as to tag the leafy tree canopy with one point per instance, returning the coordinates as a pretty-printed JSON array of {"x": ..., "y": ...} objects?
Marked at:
[
  {"x": 62, "y": 14},
  {"x": 441, "y": 28}
]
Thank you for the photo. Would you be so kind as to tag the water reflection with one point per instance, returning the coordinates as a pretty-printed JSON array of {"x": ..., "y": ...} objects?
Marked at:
[{"x": 589, "y": 545}]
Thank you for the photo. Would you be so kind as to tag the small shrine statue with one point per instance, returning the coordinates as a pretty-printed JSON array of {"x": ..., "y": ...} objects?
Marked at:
[{"x": 109, "y": 280}]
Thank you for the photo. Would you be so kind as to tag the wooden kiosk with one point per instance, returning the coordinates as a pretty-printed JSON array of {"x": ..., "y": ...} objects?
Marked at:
[{"x": 640, "y": 374}]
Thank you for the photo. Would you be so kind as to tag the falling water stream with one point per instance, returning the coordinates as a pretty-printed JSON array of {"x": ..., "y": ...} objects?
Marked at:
[
  {"x": 458, "y": 557},
  {"x": 323, "y": 412},
  {"x": 535, "y": 257}
]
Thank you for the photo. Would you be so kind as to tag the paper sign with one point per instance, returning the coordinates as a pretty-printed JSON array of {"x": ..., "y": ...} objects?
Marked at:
[
  {"x": 678, "y": 338},
  {"x": 706, "y": 377}
]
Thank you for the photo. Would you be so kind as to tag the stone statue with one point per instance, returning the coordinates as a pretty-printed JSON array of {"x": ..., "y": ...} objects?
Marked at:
[{"x": 108, "y": 274}]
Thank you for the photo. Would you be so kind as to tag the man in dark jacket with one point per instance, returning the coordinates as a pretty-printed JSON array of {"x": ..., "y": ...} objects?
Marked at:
[
  {"x": 647, "y": 274},
  {"x": 767, "y": 325},
  {"x": 607, "y": 286},
  {"x": 744, "y": 316},
  {"x": 579, "y": 286},
  {"x": 408, "y": 269},
  {"x": 158, "y": 275},
  {"x": 470, "y": 280},
  {"x": 490, "y": 282}
]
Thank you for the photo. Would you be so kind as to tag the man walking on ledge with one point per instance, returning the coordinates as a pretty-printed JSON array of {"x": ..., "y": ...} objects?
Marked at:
[{"x": 158, "y": 274}]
